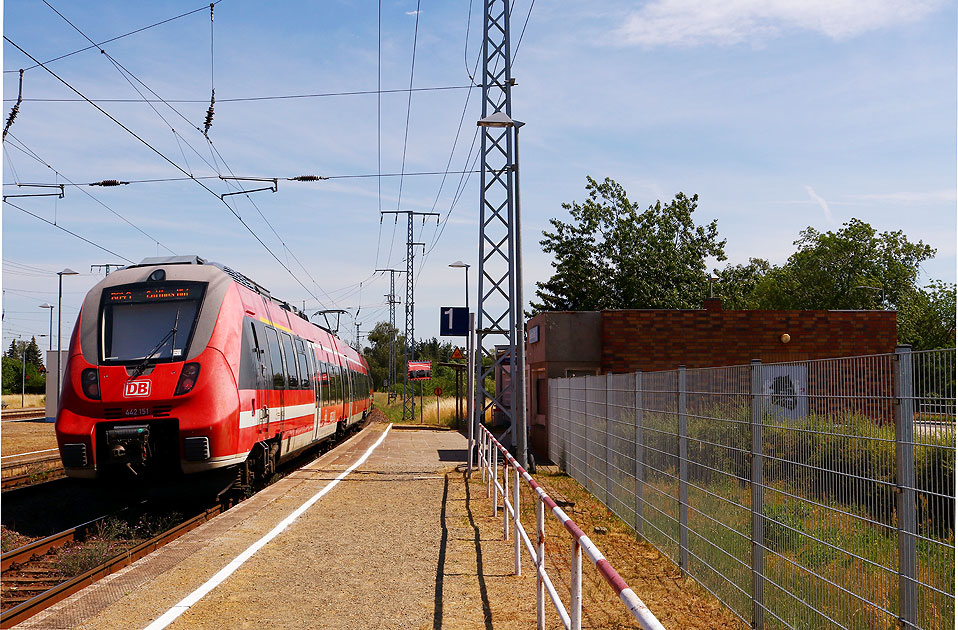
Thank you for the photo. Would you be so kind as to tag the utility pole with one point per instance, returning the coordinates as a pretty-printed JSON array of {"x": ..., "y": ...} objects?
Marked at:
[
  {"x": 408, "y": 399},
  {"x": 106, "y": 266},
  {"x": 392, "y": 302},
  {"x": 359, "y": 346},
  {"x": 499, "y": 309}
]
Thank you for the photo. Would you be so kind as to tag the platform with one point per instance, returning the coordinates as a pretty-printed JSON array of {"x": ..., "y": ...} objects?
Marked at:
[{"x": 396, "y": 544}]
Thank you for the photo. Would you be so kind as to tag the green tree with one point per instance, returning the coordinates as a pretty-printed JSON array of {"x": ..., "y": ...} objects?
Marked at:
[
  {"x": 736, "y": 283},
  {"x": 377, "y": 353},
  {"x": 33, "y": 355},
  {"x": 926, "y": 319},
  {"x": 836, "y": 270},
  {"x": 612, "y": 255}
]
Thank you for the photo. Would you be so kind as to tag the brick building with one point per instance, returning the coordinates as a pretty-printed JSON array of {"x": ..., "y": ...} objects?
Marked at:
[{"x": 598, "y": 342}]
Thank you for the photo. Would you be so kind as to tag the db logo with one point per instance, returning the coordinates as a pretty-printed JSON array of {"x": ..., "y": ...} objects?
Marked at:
[{"x": 136, "y": 388}]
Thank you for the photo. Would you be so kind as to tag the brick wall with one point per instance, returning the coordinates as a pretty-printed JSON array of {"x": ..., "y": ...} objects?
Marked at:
[{"x": 664, "y": 339}]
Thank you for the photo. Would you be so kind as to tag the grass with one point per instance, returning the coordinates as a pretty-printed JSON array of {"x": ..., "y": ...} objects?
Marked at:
[
  {"x": 112, "y": 537},
  {"x": 446, "y": 413},
  {"x": 31, "y": 401}
]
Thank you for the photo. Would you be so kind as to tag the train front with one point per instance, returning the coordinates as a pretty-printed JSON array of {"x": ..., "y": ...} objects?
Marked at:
[{"x": 148, "y": 391}]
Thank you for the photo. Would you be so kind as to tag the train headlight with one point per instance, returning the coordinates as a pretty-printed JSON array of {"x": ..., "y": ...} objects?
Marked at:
[
  {"x": 191, "y": 371},
  {"x": 90, "y": 383}
]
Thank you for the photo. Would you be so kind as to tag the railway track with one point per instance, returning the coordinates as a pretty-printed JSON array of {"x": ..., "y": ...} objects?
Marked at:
[
  {"x": 22, "y": 471},
  {"x": 32, "y": 582},
  {"x": 22, "y": 414}
]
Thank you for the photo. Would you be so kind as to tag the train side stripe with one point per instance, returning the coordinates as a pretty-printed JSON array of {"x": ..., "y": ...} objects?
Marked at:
[{"x": 170, "y": 615}]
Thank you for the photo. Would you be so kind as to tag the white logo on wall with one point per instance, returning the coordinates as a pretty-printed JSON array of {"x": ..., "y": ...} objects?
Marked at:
[{"x": 785, "y": 388}]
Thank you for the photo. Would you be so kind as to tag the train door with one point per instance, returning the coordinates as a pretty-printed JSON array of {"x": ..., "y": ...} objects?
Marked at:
[
  {"x": 277, "y": 383},
  {"x": 292, "y": 383},
  {"x": 315, "y": 386},
  {"x": 261, "y": 375}
]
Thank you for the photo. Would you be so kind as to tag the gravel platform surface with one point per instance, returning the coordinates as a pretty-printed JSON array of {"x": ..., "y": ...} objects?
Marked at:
[
  {"x": 395, "y": 545},
  {"x": 25, "y": 436}
]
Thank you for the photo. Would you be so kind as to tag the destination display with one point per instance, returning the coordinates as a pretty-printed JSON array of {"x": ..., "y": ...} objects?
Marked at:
[{"x": 154, "y": 294}]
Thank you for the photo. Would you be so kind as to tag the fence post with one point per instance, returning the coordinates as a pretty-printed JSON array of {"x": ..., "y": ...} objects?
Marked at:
[
  {"x": 608, "y": 440},
  {"x": 905, "y": 488},
  {"x": 683, "y": 474},
  {"x": 639, "y": 453},
  {"x": 758, "y": 499}
]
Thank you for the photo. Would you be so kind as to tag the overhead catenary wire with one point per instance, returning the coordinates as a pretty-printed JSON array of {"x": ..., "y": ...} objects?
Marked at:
[
  {"x": 20, "y": 146},
  {"x": 118, "y": 37},
  {"x": 166, "y": 159},
  {"x": 250, "y": 99},
  {"x": 82, "y": 238}
]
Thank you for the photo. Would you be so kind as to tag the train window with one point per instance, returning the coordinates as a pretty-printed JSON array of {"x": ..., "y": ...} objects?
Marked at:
[
  {"x": 137, "y": 331},
  {"x": 275, "y": 359},
  {"x": 304, "y": 382},
  {"x": 290, "y": 357}
]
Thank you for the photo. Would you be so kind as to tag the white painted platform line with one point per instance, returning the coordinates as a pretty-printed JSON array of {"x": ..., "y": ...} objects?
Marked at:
[
  {"x": 170, "y": 615},
  {"x": 46, "y": 450}
]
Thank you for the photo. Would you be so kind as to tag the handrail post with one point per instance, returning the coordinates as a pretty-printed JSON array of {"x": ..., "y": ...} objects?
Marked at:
[
  {"x": 494, "y": 478},
  {"x": 488, "y": 467},
  {"x": 683, "y": 473},
  {"x": 515, "y": 520},
  {"x": 639, "y": 452},
  {"x": 540, "y": 563},
  {"x": 905, "y": 488},
  {"x": 505, "y": 497},
  {"x": 758, "y": 499},
  {"x": 575, "y": 586}
]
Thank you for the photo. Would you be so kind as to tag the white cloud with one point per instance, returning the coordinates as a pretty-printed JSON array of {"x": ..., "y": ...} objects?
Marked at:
[
  {"x": 814, "y": 196},
  {"x": 412, "y": 12},
  {"x": 689, "y": 23}
]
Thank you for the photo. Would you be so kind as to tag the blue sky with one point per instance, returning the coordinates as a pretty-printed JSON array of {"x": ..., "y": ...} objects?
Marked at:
[{"x": 779, "y": 115}]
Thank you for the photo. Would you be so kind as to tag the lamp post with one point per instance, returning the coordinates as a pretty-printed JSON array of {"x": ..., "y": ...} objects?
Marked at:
[
  {"x": 461, "y": 265},
  {"x": 501, "y": 119},
  {"x": 50, "y": 336},
  {"x": 65, "y": 272}
]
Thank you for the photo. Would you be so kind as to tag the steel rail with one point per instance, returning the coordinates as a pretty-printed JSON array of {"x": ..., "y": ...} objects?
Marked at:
[{"x": 60, "y": 592}]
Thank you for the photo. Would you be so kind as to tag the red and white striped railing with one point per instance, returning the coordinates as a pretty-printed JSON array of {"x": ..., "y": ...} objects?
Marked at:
[{"x": 489, "y": 449}]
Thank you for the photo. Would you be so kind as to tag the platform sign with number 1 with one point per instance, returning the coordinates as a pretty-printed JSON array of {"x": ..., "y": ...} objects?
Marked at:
[{"x": 453, "y": 321}]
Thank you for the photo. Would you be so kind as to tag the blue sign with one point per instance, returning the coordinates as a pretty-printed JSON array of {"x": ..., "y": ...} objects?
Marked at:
[{"x": 453, "y": 321}]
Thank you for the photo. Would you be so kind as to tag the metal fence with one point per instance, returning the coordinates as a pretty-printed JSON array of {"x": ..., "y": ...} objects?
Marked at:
[{"x": 812, "y": 494}]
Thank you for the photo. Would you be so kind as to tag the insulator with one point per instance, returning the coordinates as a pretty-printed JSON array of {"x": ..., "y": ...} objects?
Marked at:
[
  {"x": 15, "y": 110},
  {"x": 306, "y": 178},
  {"x": 110, "y": 182},
  {"x": 209, "y": 114}
]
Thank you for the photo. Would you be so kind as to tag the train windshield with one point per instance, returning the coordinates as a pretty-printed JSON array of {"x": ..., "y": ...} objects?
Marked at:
[{"x": 149, "y": 324}]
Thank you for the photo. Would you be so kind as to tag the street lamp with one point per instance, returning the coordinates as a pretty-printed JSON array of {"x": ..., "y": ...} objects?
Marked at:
[
  {"x": 461, "y": 265},
  {"x": 501, "y": 119},
  {"x": 65, "y": 272},
  {"x": 50, "y": 336}
]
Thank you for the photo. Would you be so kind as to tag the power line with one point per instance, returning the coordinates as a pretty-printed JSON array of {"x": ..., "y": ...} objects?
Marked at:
[
  {"x": 32, "y": 154},
  {"x": 134, "y": 32},
  {"x": 248, "y": 99},
  {"x": 168, "y": 160},
  {"x": 82, "y": 238}
]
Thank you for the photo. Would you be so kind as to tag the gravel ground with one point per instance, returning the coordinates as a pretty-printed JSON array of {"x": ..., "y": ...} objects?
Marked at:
[
  {"x": 403, "y": 542},
  {"x": 24, "y": 437}
]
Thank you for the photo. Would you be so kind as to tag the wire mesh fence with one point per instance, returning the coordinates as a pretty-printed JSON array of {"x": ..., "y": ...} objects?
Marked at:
[{"x": 812, "y": 494}]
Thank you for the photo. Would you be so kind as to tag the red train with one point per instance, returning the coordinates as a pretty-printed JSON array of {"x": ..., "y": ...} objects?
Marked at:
[{"x": 180, "y": 366}]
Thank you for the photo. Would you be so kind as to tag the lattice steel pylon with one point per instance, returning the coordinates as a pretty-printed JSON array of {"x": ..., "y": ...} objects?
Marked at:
[
  {"x": 408, "y": 399},
  {"x": 392, "y": 302},
  {"x": 497, "y": 310}
]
